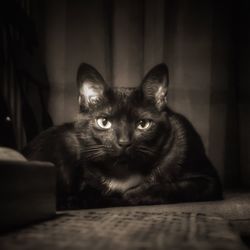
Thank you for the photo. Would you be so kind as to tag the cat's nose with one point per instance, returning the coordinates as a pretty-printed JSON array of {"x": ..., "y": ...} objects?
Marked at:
[{"x": 124, "y": 143}]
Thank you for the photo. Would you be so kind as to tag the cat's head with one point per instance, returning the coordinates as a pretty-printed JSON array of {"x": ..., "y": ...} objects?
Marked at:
[{"x": 122, "y": 124}]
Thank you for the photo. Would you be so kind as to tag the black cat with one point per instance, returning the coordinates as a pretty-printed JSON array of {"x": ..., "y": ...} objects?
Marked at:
[{"x": 126, "y": 147}]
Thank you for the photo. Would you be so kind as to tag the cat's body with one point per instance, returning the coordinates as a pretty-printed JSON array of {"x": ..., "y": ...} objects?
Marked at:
[{"x": 126, "y": 147}]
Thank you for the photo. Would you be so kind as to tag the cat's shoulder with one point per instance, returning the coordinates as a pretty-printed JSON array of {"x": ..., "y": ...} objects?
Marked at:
[
  {"x": 179, "y": 120},
  {"x": 185, "y": 128}
]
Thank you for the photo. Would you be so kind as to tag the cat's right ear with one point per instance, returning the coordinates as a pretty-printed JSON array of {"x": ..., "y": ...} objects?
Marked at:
[
  {"x": 91, "y": 86},
  {"x": 155, "y": 85}
]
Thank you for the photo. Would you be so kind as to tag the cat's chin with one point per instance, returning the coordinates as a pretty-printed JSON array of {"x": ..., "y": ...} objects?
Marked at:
[
  {"x": 121, "y": 153},
  {"x": 121, "y": 161},
  {"x": 121, "y": 156}
]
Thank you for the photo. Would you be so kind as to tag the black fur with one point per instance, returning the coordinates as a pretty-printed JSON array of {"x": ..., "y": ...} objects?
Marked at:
[{"x": 162, "y": 163}]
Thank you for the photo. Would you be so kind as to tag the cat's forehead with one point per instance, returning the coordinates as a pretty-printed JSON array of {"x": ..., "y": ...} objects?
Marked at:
[
  {"x": 122, "y": 102},
  {"x": 124, "y": 91},
  {"x": 126, "y": 102},
  {"x": 124, "y": 96}
]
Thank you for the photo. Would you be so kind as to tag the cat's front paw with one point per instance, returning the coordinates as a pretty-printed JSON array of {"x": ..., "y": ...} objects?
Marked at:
[
  {"x": 68, "y": 203},
  {"x": 134, "y": 196},
  {"x": 143, "y": 195}
]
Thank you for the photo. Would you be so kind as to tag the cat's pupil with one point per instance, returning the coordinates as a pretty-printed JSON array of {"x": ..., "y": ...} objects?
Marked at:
[
  {"x": 104, "y": 121},
  {"x": 142, "y": 123}
]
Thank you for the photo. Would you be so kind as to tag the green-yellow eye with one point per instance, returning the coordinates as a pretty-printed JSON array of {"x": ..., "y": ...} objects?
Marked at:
[
  {"x": 103, "y": 123},
  {"x": 144, "y": 124}
]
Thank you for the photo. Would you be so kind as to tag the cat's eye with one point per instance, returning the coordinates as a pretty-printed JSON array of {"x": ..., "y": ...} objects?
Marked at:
[
  {"x": 103, "y": 123},
  {"x": 144, "y": 124}
]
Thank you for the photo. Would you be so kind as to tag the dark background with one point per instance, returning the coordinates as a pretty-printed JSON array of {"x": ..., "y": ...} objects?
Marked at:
[{"x": 206, "y": 45}]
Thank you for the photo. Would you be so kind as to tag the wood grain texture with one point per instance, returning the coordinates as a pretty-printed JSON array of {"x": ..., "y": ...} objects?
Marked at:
[{"x": 127, "y": 229}]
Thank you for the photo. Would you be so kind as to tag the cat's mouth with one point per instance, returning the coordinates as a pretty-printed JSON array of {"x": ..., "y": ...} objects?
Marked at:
[
  {"x": 124, "y": 152},
  {"x": 122, "y": 160},
  {"x": 122, "y": 155}
]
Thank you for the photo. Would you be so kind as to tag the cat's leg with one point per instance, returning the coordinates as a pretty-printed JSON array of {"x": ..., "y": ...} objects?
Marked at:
[
  {"x": 68, "y": 182},
  {"x": 64, "y": 194},
  {"x": 192, "y": 188},
  {"x": 198, "y": 188}
]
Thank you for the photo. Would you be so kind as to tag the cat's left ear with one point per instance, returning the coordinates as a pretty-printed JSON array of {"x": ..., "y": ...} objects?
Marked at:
[
  {"x": 155, "y": 85},
  {"x": 91, "y": 86}
]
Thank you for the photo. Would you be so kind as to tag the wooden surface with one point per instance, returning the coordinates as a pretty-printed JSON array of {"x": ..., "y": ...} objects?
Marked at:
[
  {"x": 121, "y": 229},
  {"x": 203, "y": 225}
]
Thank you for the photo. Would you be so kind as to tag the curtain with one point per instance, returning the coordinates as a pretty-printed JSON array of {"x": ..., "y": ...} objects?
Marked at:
[{"x": 204, "y": 43}]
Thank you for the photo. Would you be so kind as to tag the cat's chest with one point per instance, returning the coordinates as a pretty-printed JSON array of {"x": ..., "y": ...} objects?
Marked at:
[{"x": 122, "y": 185}]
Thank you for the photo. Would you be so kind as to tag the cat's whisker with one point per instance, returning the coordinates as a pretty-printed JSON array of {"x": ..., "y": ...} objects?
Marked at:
[
  {"x": 89, "y": 150},
  {"x": 93, "y": 154},
  {"x": 92, "y": 148},
  {"x": 146, "y": 150}
]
